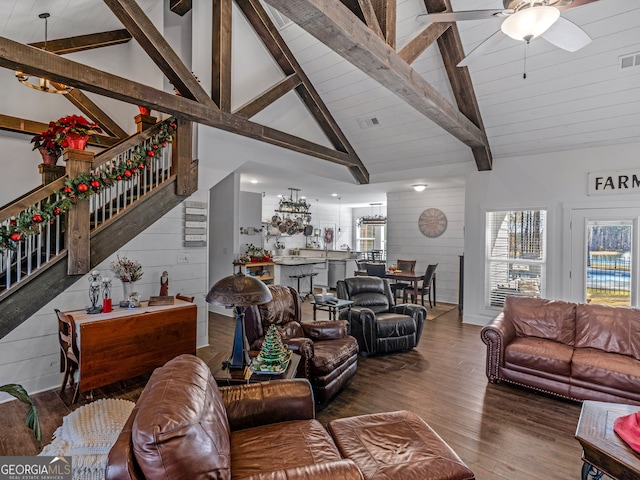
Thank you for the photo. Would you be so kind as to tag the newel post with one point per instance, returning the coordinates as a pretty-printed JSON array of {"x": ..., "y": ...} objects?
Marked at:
[
  {"x": 78, "y": 217},
  {"x": 144, "y": 122},
  {"x": 185, "y": 167}
]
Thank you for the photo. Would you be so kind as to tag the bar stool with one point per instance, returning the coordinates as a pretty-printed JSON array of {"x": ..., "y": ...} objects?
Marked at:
[{"x": 301, "y": 276}]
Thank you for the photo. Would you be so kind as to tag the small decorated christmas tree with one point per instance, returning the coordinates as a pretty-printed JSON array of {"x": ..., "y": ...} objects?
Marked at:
[{"x": 273, "y": 353}]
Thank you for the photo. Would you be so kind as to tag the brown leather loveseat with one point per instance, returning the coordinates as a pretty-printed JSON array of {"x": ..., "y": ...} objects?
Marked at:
[
  {"x": 577, "y": 351},
  {"x": 185, "y": 427}
]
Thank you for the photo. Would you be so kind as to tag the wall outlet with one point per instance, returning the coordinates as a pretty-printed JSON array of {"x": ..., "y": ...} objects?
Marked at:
[{"x": 184, "y": 258}]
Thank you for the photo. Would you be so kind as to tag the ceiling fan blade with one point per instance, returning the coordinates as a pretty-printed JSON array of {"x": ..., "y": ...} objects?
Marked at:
[
  {"x": 462, "y": 16},
  {"x": 483, "y": 48},
  {"x": 576, "y": 3},
  {"x": 566, "y": 35}
]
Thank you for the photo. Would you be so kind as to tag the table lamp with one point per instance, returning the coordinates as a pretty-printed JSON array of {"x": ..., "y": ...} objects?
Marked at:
[{"x": 238, "y": 292}]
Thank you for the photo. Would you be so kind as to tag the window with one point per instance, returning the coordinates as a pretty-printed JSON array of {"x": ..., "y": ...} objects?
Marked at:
[
  {"x": 370, "y": 237},
  {"x": 516, "y": 255}
]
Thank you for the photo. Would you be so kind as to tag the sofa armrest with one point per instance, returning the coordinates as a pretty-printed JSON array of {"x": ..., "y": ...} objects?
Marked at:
[
  {"x": 344, "y": 469},
  {"x": 256, "y": 404},
  {"x": 497, "y": 335},
  {"x": 325, "y": 330}
]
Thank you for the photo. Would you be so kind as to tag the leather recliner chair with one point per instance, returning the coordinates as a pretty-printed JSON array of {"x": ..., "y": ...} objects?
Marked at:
[
  {"x": 329, "y": 353},
  {"x": 379, "y": 325}
]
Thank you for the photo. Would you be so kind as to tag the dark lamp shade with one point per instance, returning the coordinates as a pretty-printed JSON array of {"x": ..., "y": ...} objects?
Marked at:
[{"x": 239, "y": 290}]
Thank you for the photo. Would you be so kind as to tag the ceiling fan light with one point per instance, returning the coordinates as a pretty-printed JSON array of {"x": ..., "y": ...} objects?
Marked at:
[{"x": 527, "y": 24}]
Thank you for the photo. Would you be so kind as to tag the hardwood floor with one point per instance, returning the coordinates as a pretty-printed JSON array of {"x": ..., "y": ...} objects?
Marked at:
[{"x": 500, "y": 431}]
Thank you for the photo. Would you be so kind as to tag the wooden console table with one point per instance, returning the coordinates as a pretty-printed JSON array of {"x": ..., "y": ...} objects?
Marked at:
[{"x": 126, "y": 342}]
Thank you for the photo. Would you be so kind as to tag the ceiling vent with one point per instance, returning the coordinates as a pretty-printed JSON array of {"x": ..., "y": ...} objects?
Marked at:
[
  {"x": 279, "y": 20},
  {"x": 368, "y": 122},
  {"x": 629, "y": 61}
]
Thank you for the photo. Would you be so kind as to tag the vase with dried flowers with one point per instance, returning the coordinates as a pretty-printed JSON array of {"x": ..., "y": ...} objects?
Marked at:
[
  {"x": 47, "y": 145},
  {"x": 74, "y": 131},
  {"x": 128, "y": 271}
]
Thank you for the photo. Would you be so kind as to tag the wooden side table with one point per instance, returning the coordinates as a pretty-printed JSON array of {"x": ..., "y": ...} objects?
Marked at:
[
  {"x": 224, "y": 377},
  {"x": 602, "y": 449}
]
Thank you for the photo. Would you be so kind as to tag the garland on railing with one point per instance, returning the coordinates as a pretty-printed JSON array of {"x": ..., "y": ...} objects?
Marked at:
[{"x": 29, "y": 221}]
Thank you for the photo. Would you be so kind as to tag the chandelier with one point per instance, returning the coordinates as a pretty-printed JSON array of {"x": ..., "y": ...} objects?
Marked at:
[
  {"x": 373, "y": 219},
  {"x": 43, "y": 84}
]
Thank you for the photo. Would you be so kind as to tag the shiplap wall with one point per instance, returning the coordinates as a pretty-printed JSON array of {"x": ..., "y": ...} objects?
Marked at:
[
  {"x": 29, "y": 355},
  {"x": 404, "y": 240}
]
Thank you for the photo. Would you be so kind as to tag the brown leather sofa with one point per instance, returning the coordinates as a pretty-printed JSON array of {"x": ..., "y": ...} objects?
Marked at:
[
  {"x": 378, "y": 323},
  {"x": 577, "y": 351},
  {"x": 185, "y": 427},
  {"x": 329, "y": 354}
]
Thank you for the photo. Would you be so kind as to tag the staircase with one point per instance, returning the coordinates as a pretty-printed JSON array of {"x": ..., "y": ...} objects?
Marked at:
[{"x": 45, "y": 264}]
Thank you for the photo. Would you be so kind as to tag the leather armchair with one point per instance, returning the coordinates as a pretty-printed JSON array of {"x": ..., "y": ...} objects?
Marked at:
[
  {"x": 379, "y": 325},
  {"x": 329, "y": 353}
]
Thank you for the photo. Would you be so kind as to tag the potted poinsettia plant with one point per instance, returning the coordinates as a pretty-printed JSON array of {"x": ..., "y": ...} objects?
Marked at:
[
  {"x": 74, "y": 131},
  {"x": 46, "y": 142}
]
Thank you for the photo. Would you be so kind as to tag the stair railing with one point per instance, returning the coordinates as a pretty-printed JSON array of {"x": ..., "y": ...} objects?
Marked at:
[{"x": 41, "y": 243}]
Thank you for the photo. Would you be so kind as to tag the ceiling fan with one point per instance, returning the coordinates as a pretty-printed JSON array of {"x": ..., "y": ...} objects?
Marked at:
[{"x": 524, "y": 20}]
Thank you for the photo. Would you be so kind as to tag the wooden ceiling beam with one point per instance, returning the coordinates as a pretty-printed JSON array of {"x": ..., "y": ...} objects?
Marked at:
[
  {"x": 16, "y": 56},
  {"x": 221, "y": 54},
  {"x": 181, "y": 7},
  {"x": 334, "y": 25},
  {"x": 31, "y": 127},
  {"x": 81, "y": 43},
  {"x": 262, "y": 101},
  {"x": 418, "y": 44},
  {"x": 370, "y": 18},
  {"x": 452, "y": 52},
  {"x": 273, "y": 41},
  {"x": 147, "y": 35},
  {"x": 93, "y": 111},
  {"x": 385, "y": 11}
]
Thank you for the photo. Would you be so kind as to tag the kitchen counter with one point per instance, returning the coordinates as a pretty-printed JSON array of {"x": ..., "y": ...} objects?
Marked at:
[{"x": 295, "y": 262}]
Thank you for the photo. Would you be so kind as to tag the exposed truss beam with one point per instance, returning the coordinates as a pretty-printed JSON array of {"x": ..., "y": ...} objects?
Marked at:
[
  {"x": 273, "y": 41},
  {"x": 81, "y": 43},
  {"x": 31, "y": 127},
  {"x": 16, "y": 56},
  {"x": 181, "y": 7},
  {"x": 147, "y": 35},
  {"x": 452, "y": 53},
  {"x": 370, "y": 18},
  {"x": 418, "y": 44},
  {"x": 261, "y": 102},
  {"x": 221, "y": 54},
  {"x": 386, "y": 13},
  {"x": 334, "y": 25}
]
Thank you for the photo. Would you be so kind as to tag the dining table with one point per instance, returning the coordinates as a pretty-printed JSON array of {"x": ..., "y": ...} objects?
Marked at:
[{"x": 410, "y": 277}]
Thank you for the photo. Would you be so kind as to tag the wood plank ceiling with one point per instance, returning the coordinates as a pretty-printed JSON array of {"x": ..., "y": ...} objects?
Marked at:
[{"x": 391, "y": 53}]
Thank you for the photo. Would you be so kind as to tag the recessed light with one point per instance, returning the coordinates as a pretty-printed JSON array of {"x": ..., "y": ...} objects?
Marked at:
[
  {"x": 419, "y": 187},
  {"x": 334, "y": 194},
  {"x": 279, "y": 195},
  {"x": 253, "y": 181}
]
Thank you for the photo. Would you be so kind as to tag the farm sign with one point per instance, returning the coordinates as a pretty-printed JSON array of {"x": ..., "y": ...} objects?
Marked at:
[{"x": 618, "y": 182}]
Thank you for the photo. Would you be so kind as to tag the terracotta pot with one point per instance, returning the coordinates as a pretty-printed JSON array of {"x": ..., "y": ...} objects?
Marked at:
[
  {"x": 48, "y": 158},
  {"x": 76, "y": 141},
  {"x": 144, "y": 110}
]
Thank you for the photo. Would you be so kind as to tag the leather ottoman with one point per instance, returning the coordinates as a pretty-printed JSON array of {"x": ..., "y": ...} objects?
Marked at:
[{"x": 397, "y": 445}]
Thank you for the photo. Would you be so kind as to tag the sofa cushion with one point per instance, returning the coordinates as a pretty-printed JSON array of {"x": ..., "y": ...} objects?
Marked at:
[
  {"x": 542, "y": 318},
  {"x": 394, "y": 325},
  {"x": 330, "y": 355},
  {"x": 280, "y": 446},
  {"x": 539, "y": 354},
  {"x": 611, "y": 329},
  {"x": 181, "y": 428},
  {"x": 608, "y": 369}
]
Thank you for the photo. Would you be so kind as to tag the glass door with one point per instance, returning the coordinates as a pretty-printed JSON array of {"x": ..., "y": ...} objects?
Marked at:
[{"x": 605, "y": 256}]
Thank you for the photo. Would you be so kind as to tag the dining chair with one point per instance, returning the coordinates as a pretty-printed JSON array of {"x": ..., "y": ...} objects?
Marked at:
[
  {"x": 424, "y": 289},
  {"x": 376, "y": 269},
  {"x": 408, "y": 266},
  {"x": 69, "y": 353},
  {"x": 361, "y": 264}
]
